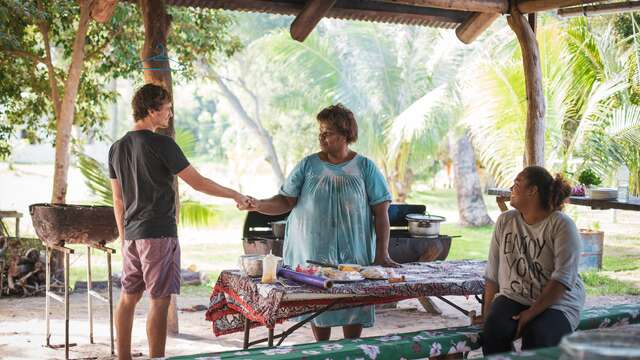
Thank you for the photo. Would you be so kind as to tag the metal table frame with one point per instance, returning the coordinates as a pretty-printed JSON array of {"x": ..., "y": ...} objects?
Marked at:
[
  {"x": 49, "y": 249},
  {"x": 284, "y": 334}
]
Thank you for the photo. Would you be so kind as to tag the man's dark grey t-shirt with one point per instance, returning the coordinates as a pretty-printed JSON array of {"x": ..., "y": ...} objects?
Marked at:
[
  {"x": 146, "y": 163},
  {"x": 523, "y": 258}
]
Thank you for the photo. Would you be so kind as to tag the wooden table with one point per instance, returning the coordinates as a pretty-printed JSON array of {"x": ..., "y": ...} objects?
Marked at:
[
  {"x": 12, "y": 214},
  {"x": 503, "y": 195},
  {"x": 240, "y": 303}
]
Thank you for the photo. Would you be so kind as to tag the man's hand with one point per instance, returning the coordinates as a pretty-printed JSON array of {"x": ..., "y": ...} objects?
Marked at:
[
  {"x": 523, "y": 319},
  {"x": 386, "y": 261},
  {"x": 245, "y": 202}
]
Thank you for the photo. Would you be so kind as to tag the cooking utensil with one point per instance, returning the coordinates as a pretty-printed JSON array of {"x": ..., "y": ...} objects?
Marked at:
[
  {"x": 313, "y": 262},
  {"x": 278, "y": 228},
  {"x": 424, "y": 225},
  {"x": 341, "y": 267}
]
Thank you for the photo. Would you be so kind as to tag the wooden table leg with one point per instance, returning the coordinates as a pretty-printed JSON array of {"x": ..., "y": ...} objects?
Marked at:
[
  {"x": 271, "y": 337},
  {"x": 429, "y": 306},
  {"x": 247, "y": 330}
]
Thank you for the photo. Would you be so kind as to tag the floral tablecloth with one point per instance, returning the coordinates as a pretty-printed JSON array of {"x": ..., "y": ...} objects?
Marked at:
[
  {"x": 235, "y": 297},
  {"x": 414, "y": 345}
]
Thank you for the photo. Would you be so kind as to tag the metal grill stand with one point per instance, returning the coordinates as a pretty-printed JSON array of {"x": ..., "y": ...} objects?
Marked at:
[{"x": 49, "y": 249}]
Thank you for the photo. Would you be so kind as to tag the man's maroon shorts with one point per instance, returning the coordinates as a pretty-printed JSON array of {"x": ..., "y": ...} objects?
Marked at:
[{"x": 152, "y": 265}]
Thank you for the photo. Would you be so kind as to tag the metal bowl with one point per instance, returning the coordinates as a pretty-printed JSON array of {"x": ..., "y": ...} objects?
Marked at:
[{"x": 251, "y": 265}]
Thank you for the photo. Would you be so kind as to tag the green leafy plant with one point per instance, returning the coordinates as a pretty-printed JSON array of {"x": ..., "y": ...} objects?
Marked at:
[{"x": 588, "y": 177}]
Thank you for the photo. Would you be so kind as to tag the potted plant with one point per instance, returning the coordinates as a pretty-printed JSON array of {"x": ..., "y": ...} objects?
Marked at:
[{"x": 588, "y": 178}]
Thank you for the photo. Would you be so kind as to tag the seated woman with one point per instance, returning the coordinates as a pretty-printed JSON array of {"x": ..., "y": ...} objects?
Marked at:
[
  {"x": 339, "y": 205},
  {"x": 532, "y": 287}
]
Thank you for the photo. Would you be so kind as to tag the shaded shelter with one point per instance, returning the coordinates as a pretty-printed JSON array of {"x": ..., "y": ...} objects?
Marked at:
[{"x": 469, "y": 18}]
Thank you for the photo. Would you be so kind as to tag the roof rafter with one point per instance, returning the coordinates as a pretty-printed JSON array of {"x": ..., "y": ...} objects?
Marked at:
[{"x": 309, "y": 17}]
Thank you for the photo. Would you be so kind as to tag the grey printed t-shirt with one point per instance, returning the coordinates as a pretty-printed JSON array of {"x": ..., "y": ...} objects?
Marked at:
[{"x": 523, "y": 258}]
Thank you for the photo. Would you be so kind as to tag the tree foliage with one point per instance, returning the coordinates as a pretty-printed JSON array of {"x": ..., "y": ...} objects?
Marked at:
[{"x": 30, "y": 79}]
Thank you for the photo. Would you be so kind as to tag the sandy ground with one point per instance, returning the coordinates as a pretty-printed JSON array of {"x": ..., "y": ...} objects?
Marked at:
[{"x": 22, "y": 327}]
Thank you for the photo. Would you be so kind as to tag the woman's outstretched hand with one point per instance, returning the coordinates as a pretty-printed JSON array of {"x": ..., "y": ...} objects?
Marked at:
[{"x": 246, "y": 202}]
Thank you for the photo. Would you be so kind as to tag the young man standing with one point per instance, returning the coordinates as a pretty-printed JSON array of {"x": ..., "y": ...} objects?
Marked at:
[{"x": 142, "y": 168}]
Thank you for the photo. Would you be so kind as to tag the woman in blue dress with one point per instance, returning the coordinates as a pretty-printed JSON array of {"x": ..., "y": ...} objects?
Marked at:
[{"x": 339, "y": 204}]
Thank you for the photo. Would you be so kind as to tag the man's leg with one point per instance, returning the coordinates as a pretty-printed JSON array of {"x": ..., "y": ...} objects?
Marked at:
[
  {"x": 157, "y": 326},
  {"x": 499, "y": 327},
  {"x": 352, "y": 331},
  {"x": 547, "y": 329},
  {"x": 321, "y": 333},
  {"x": 124, "y": 322}
]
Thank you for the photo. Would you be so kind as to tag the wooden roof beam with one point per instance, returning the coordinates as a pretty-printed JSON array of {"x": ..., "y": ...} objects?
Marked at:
[
  {"x": 530, "y": 6},
  {"x": 308, "y": 18},
  {"x": 485, "y": 6},
  {"x": 603, "y": 9},
  {"x": 469, "y": 30}
]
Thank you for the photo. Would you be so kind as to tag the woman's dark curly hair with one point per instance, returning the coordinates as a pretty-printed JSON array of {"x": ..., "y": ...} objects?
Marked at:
[
  {"x": 552, "y": 191},
  {"x": 342, "y": 119},
  {"x": 148, "y": 97}
]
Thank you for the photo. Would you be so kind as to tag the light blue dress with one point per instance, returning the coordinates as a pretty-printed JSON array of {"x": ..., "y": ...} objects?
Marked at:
[{"x": 333, "y": 220}]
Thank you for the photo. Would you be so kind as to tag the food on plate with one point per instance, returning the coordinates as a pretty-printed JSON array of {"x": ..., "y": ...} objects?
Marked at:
[
  {"x": 349, "y": 267},
  {"x": 396, "y": 279},
  {"x": 374, "y": 272},
  {"x": 337, "y": 275}
]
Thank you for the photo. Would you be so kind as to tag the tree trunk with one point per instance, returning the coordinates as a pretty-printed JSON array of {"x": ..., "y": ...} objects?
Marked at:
[
  {"x": 157, "y": 22},
  {"x": 536, "y": 106},
  {"x": 471, "y": 207},
  {"x": 256, "y": 127},
  {"x": 67, "y": 109}
]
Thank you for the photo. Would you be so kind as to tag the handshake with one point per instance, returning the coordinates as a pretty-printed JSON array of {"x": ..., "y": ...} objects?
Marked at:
[{"x": 246, "y": 202}]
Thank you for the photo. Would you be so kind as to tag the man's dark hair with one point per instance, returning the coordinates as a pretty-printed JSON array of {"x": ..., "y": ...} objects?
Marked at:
[
  {"x": 148, "y": 97},
  {"x": 342, "y": 119}
]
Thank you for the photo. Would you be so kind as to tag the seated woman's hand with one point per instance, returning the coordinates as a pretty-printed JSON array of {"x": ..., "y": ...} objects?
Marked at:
[
  {"x": 476, "y": 319},
  {"x": 386, "y": 261}
]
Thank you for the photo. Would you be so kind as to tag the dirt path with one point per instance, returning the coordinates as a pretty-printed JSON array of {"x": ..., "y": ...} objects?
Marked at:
[{"x": 22, "y": 327}]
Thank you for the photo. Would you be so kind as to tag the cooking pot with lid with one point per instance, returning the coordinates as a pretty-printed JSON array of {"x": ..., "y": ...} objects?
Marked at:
[{"x": 421, "y": 225}]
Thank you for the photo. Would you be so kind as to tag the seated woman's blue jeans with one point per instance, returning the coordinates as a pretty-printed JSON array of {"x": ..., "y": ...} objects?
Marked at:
[{"x": 547, "y": 329}]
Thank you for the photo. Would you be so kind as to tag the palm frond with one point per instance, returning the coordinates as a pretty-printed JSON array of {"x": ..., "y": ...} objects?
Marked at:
[
  {"x": 186, "y": 141},
  {"x": 196, "y": 214},
  {"x": 96, "y": 178}
]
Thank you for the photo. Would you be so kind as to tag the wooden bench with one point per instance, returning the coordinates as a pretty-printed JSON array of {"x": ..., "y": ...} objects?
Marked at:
[{"x": 413, "y": 345}]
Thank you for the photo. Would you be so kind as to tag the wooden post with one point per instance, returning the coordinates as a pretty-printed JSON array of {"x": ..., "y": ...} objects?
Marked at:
[
  {"x": 157, "y": 23},
  {"x": 535, "y": 127}
]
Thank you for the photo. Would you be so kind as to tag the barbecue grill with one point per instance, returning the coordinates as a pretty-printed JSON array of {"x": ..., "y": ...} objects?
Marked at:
[
  {"x": 58, "y": 225},
  {"x": 257, "y": 237}
]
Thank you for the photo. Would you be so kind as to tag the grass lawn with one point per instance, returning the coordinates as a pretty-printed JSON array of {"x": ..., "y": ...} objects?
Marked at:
[{"x": 219, "y": 250}]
